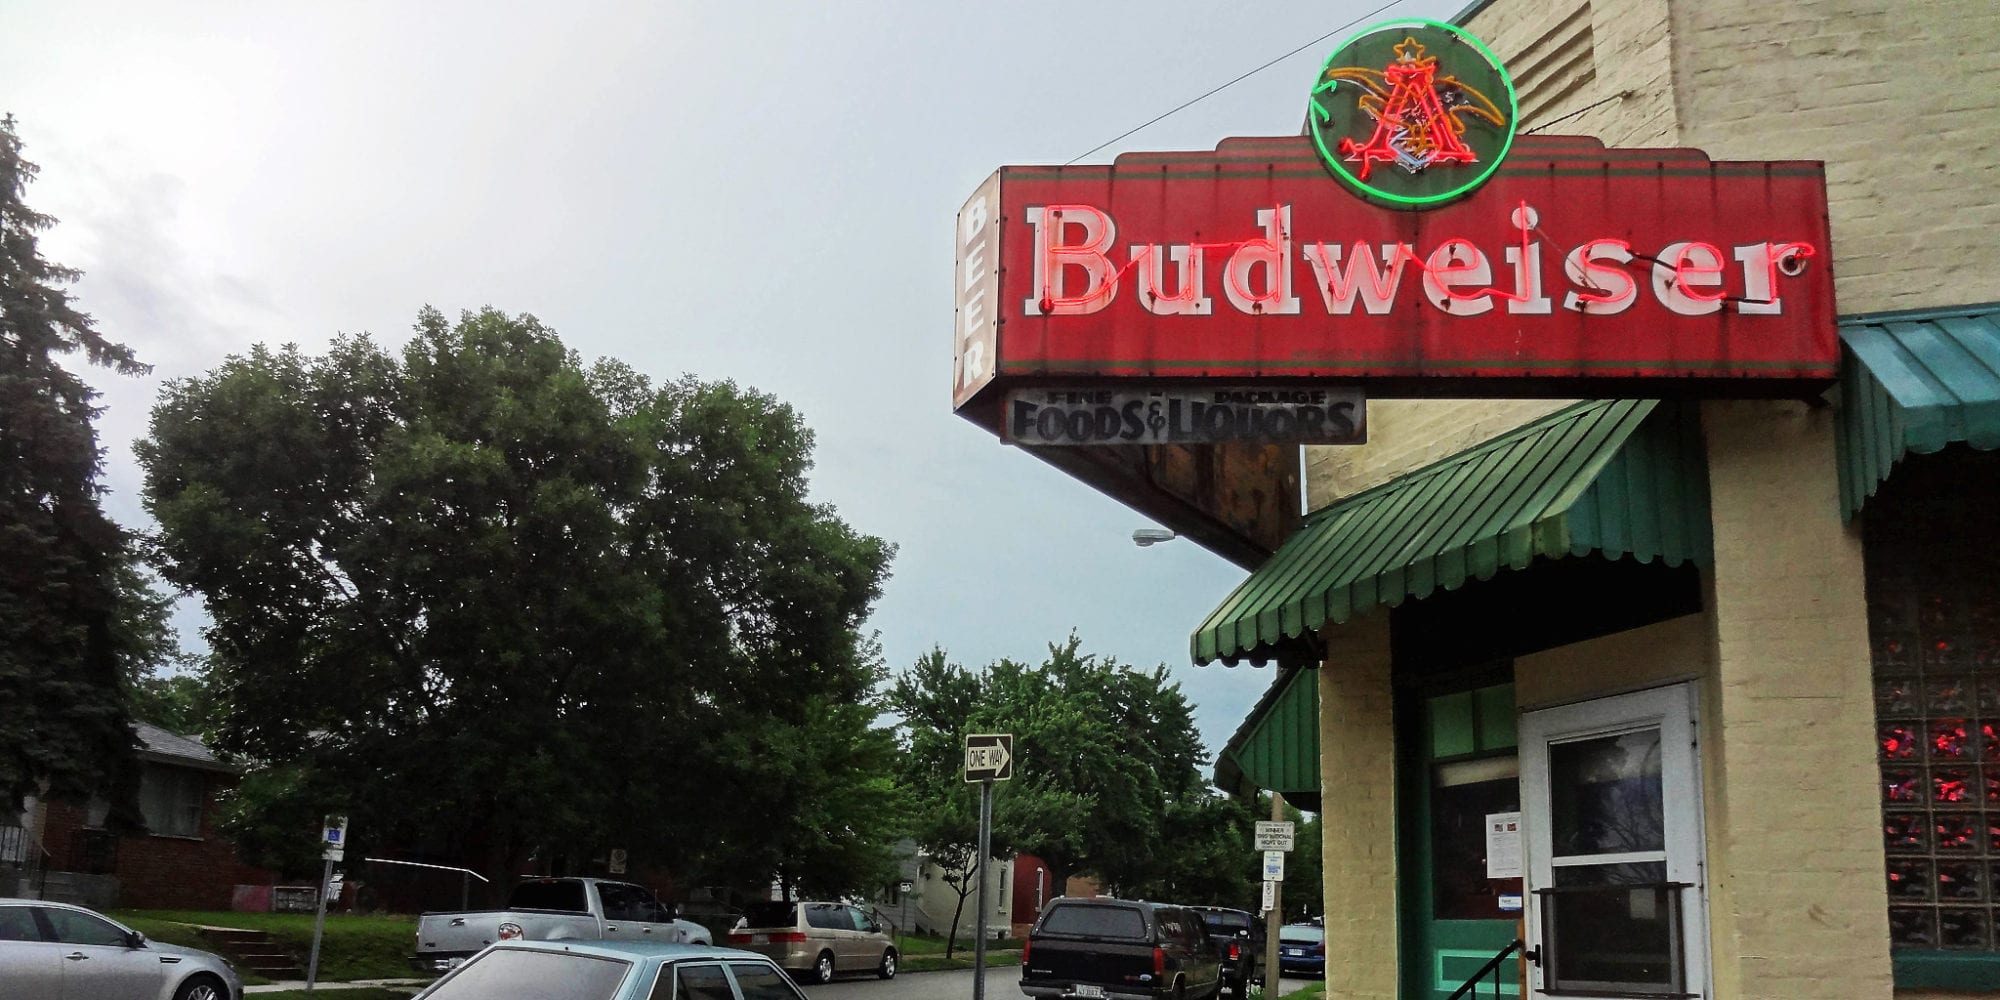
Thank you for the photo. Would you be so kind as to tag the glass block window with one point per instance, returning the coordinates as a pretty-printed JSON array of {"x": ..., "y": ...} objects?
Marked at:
[{"x": 1934, "y": 620}]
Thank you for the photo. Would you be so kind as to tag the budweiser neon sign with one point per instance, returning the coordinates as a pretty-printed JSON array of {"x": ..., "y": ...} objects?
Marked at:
[
  {"x": 1077, "y": 271},
  {"x": 1572, "y": 270}
]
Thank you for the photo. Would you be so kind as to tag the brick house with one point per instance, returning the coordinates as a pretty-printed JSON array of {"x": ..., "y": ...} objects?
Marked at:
[{"x": 180, "y": 862}]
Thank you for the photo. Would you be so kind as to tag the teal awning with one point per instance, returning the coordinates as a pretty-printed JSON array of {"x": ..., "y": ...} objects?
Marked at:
[
  {"x": 1618, "y": 477},
  {"x": 1915, "y": 381},
  {"x": 1277, "y": 747}
]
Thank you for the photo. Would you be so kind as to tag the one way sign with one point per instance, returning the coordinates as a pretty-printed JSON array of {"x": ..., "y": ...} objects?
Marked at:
[{"x": 989, "y": 756}]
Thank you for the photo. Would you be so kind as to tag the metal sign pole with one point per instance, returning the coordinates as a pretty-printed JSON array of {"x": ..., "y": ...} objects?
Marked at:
[
  {"x": 985, "y": 851},
  {"x": 319, "y": 925},
  {"x": 1274, "y": 919}
]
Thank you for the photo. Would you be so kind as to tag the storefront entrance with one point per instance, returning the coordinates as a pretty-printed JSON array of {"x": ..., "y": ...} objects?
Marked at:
[{"x": 1611, "y": 810}]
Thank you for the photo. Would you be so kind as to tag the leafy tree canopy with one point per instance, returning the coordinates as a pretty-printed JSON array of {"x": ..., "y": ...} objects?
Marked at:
[
  {"x": 1107, "y": 774},
  {"x": 64, "y": 726},
  {"x": 491, "y": 600}
]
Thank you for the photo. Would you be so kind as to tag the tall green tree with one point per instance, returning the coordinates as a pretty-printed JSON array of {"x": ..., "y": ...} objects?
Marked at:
[
  {"x": 1107, "y": 760},
  {"x": 484, "y": 597},
  {"x": 936, "y": 700},
  {"x": 64, "y": 723}
]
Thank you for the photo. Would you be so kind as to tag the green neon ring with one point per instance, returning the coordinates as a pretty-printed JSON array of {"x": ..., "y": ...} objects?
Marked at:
[{"x": 1333, "y": 162}]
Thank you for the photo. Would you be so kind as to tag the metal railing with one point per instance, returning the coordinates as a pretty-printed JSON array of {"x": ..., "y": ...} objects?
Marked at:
[{"x": 1469, "y": 988}]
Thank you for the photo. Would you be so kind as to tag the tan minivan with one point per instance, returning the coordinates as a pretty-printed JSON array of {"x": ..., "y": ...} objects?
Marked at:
[{"x": 815, "y": 941}]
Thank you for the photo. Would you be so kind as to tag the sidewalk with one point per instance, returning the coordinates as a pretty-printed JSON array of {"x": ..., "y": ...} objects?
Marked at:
[{"x": 412, "y": 985}]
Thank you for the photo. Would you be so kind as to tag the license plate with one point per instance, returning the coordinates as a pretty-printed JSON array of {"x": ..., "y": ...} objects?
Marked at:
[
  {"x": 760, "y": 939},
  {"x": 1295, "y": 951},
  {"x": 1086, "y": 991}
]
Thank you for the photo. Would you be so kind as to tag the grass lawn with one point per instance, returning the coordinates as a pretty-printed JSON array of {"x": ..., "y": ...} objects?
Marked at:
[
  {"x": 354, "y": 947},
  {"x": 961, "y": 960}
]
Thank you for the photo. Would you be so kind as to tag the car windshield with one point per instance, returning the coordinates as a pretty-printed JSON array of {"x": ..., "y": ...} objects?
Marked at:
[
  {"x": 771, "y": 915},
  {"x": 513, "y": 974},
  {"x": 1096, "y": 921},
  {"x": 1225, "y": 923},
  {"x": 1301, "y": 935},
  {"x": 548, "y": 895}
]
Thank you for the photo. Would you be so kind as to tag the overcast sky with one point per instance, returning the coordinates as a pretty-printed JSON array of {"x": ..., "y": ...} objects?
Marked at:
[{"x": 762, "y": 192}]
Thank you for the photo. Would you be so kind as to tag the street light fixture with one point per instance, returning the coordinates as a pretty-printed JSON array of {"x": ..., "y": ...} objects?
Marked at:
[{"x": 1152, "y": 536}]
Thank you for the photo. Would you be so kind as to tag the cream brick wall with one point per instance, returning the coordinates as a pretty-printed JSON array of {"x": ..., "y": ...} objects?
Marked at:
[
  {"x": 1357, "y": 762},
  {"x": 1676, "y": 649},
  {"x": 1795, "y": 853},
  {"x": 1902, "y": 101},
  {"x": 1408, "y": 434}
]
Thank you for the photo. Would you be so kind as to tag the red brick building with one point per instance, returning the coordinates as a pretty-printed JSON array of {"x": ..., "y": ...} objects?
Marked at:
[{"x": 181, "y": 862}]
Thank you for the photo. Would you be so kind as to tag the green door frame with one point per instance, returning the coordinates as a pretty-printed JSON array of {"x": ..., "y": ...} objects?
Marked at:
[{"x": 1465, "y": 716}]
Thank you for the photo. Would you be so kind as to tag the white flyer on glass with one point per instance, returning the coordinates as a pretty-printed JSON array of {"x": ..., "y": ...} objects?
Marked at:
[{"x": 1503, "y": 845}]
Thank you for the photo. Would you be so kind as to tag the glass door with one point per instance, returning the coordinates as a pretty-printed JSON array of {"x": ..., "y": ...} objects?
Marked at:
[{"x": 1611, "y": 803}]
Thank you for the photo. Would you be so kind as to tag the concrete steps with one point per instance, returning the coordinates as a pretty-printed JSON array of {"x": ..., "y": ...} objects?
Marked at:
[{"x": 254, "y": 951}]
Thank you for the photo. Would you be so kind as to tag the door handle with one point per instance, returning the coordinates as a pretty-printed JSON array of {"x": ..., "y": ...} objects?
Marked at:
[
  {"x": 646, "y": 930},
  {"x": 77, "y": 956},
  {"x": 610, "y": 927}
]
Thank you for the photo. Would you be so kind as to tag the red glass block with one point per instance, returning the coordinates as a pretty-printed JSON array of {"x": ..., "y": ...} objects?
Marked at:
[
  {"x": 1961, "y": 881},
  {"x": 1993, "y": 833},
  {"x": 1905, "y": 832},
  {"x": 1950, "y": 740},
  {"x": 1991, "y": 780},
  {"x": 1902, "y": 785},
  {"x": 1948, "y": 696},
  {"x": 1897, "y": 698},
  {"x": 1956, "y": 832},
  {"x": 1892, "y": 656},
  {"x": 1910, "y": 879},
  {"x": 1898, "y": 742},
  {"x": 1935, "y": 612},
  {"x": 1953, "y": 786},
  {"x": 1989, "y": 742},
  {"x": 1964, "y": 928},
  {"x": 1913, "y": 926}
]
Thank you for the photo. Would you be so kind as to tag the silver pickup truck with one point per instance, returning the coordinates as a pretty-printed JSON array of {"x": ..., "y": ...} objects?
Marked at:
[{"x": 552, "y": 909}]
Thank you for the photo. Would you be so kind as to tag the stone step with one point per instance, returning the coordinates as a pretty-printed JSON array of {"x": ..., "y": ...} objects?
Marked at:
[{"x": 256, "y": 951}]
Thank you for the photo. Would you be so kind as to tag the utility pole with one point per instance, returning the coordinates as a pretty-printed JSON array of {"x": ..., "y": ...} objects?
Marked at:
[{"x": 1275, "y": 917}]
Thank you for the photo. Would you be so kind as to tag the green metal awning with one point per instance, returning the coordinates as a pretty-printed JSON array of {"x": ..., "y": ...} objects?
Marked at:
[
  {"x": 1915, "y": 381},
  {"x": 1277, "y": 747},
  {"x": 1617, "y": 477}
]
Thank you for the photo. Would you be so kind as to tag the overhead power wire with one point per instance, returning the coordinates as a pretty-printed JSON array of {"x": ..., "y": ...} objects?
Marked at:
[
  {"x": 1594, "y": 105},
  {"x": 1197, "y": 100}
]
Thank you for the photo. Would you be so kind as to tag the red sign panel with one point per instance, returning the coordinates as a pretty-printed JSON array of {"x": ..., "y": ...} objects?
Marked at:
[{"x": 1573, "y": 264}]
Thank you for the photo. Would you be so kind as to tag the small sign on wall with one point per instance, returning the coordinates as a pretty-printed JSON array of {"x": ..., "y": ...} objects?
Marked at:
[{"x": 1503, "y": 845}]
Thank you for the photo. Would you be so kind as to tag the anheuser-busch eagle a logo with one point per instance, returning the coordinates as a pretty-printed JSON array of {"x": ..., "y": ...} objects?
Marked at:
[{"x": 1422, "y": 98}]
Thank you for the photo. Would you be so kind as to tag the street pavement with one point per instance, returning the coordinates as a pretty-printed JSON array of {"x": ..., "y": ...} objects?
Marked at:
[{"x": 1001, "y": 984}]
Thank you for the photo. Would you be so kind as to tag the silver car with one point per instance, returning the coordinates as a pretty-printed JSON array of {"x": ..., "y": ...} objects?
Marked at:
[{"x": 55, "y": 951}]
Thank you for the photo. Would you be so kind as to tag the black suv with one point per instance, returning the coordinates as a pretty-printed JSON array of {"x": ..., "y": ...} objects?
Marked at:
[
  {"x": 1120, "y": 950},
  {"x": 1239, "y": 936}
]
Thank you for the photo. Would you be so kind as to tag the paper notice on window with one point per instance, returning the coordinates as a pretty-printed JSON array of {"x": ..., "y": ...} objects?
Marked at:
[{"x": 1503, "y": 845}]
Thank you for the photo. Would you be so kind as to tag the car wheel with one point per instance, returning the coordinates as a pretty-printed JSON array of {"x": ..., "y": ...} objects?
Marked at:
[
  {"x": 888, "y": 969},
  {"x": 823, "y": 969},
  {"x": 201, "y": 988}
]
